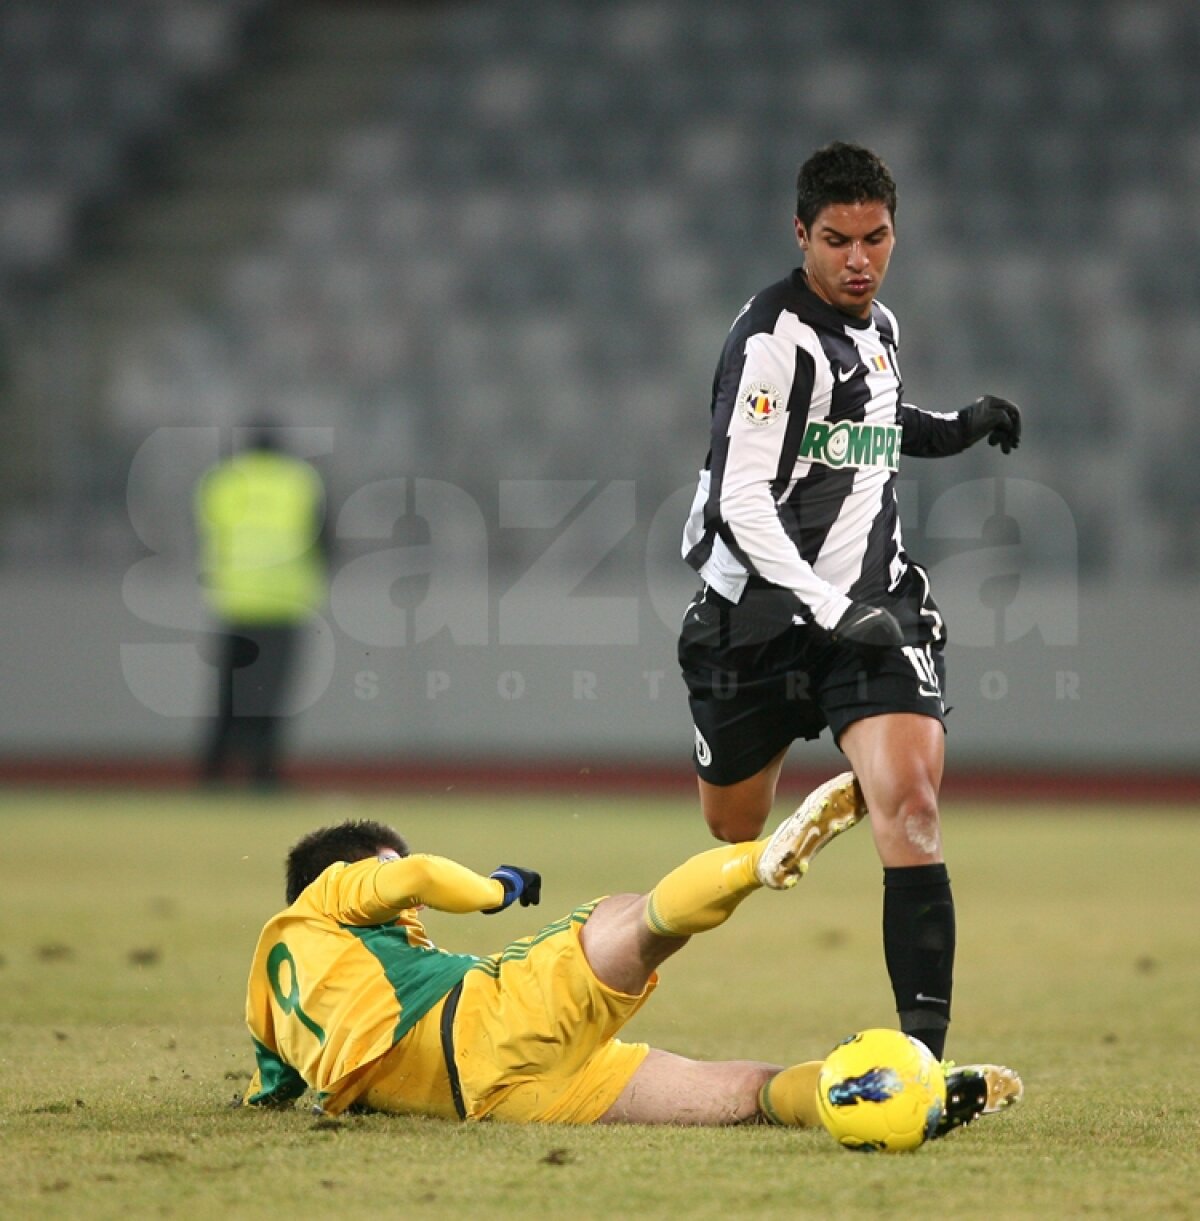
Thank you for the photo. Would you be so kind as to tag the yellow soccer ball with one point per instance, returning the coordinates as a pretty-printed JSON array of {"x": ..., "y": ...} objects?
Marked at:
[{"x": 881, "y": 1091}]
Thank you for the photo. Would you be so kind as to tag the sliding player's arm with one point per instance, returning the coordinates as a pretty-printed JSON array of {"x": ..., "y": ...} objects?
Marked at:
[{"x": 376, "y": 892}]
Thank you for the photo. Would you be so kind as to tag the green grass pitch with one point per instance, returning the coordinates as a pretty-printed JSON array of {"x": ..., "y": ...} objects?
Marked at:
[{"x": 127, "y": 922}]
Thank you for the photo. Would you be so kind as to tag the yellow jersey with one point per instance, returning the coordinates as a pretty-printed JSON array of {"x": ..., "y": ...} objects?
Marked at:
[
  {"x": 341, "y": 975},
  {"x": 259, "y": 516}
]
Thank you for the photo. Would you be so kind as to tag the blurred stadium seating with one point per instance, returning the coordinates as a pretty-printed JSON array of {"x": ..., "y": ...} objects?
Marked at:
[
  {"x": 503, "y": 240},
  {"x": 85, "y": 88}
]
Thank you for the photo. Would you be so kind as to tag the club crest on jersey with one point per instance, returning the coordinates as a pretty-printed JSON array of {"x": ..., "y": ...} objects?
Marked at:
[{"x": 760, "y": 403}]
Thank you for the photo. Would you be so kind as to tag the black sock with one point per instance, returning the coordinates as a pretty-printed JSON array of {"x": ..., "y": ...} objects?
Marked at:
[{"x": 918, "y": 945}]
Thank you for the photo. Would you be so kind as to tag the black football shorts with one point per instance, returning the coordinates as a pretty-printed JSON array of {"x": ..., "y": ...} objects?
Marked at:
[{"x": 756, "y": 682}]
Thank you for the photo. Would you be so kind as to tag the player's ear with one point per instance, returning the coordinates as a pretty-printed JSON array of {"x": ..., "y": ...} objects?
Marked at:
[{"x": 801, "y": 234}]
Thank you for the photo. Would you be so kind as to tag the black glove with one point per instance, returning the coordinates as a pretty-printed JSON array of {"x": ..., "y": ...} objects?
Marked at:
[
  {"x": 994, "y": 418},
  {"x": 518, "y": 883},
  {"x": 869, "y": 625}
]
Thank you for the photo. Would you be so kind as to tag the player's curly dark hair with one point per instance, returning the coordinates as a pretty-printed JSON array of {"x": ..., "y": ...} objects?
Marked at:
[
  {"x": 842, "y": 174},
  {"x": 348, "y": 841}
]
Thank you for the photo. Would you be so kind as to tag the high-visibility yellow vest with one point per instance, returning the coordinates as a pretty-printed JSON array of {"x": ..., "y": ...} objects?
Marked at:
[{"x": 259, "y": 518}]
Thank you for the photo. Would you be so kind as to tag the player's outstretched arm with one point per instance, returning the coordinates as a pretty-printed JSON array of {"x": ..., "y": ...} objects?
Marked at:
[
  {"x": 445, "y": 885},
  {"x": 932, "y": 434}
]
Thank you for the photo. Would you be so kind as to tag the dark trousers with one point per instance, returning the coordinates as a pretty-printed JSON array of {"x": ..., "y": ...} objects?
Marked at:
[{"x": 253, "y": 671}]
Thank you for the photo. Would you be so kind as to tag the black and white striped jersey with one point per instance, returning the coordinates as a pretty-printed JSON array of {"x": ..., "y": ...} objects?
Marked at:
[{"x": 808, "y": 426}]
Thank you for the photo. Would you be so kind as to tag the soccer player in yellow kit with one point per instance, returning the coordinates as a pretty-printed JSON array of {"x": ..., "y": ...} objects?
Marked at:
[{"x": 348, "y": 996}]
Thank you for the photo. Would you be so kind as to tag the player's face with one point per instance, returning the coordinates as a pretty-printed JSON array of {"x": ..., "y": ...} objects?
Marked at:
[{"x": 846, "y": 254}]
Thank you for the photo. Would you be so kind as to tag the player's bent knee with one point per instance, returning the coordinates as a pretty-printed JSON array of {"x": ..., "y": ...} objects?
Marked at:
[
  {"x": 738, "y": 812},
  {"x": 922, "y": 830},
  {"x": 619, "y": 946},
  {"x": 909, "y": 832},
  {"x": 618, "y": 907},
  {"x": 735, "y": 823},
  {"x": 614, "y": 922}
]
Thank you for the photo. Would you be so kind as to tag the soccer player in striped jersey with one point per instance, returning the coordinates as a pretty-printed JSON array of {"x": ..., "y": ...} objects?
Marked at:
[
  {"x": 348, "y": 995},
  {"x": 811, "y": 614}
]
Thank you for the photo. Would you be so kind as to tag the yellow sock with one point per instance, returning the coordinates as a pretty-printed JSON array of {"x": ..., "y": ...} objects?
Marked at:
[
  {"x": 790, "y": 1097},
  {"x": 703, "y": 892}
]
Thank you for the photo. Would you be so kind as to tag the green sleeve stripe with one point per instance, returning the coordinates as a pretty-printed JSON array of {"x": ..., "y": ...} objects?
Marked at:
[{"x": 281, "y": 1083}]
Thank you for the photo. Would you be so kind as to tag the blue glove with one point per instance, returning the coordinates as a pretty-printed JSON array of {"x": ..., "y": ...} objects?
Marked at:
[{"x": 518, "y": 883}]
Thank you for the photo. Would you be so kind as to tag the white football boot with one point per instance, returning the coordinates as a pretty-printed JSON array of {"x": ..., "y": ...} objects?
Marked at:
[{"x": 828, "y": 810}]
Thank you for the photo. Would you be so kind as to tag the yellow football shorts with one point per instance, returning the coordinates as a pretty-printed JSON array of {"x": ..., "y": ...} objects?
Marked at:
[{"x": 532, "y": 1040}]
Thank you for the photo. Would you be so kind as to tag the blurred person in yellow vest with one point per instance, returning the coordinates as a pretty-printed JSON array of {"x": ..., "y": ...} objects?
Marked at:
[{"x": 260, "y": 517}]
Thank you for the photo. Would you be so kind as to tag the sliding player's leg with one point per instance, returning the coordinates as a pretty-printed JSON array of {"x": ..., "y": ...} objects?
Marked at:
[
  {"x": 628, "y": 937},
  {"x": 667, "y": 1088},
  {"x": 557, "y": 1001}
]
